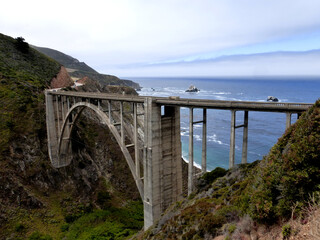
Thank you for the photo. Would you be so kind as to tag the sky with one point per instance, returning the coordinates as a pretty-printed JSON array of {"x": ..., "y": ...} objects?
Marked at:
[{"x": 175, "y": 37}]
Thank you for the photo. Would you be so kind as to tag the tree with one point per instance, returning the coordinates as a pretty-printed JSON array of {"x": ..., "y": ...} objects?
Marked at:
[{"x": 22, "y": 45}]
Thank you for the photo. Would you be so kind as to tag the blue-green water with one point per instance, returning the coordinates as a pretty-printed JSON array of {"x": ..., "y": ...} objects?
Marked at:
[{"x": 264, "y": 128}]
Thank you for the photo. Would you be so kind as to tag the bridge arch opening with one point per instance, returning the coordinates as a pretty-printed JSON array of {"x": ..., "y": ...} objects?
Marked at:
[{"x": 64, "y": 141}]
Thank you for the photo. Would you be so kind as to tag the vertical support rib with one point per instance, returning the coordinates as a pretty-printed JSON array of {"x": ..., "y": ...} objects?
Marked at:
[
  {"x": 62, "y": 108},
  {"x": 51, "y": 129},
  {"x": 204, "y": 142},
  {"x": 121, "y": 122},
  {"x": 109, "y": 111},
  {"x": 288, "y": 120},
  {"x": 68, "y": 104},
  {"x": 245, "y": 138},
  {"x": 58, "y": 116},
  {"x": 190, "y": 167},
  {"x": 232, "y": 138},
  {"x": 99, "y": 104},
  {"x": 136, "y": 149}
]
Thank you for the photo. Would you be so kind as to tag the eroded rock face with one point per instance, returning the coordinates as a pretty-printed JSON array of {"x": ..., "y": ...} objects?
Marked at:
[{"x": 62, "y": 79}]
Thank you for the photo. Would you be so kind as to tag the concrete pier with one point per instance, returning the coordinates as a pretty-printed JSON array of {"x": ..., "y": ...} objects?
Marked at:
[{"x": 162, "y": 162}]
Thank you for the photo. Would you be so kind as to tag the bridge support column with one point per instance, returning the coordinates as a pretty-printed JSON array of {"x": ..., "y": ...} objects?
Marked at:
[
  {"x": 288, "y": 120},
  {"x": 204, "y": 142},
  {"x": 51, "y": 128},
  {"x": 232, "y": 138},
  {"x": 162, "y": 160},
  {"x": 190, "y": 165},
  {"x": 245, "y": 138}
]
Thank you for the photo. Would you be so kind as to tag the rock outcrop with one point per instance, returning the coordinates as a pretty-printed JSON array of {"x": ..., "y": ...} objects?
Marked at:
[{"x": 62, "y": 79}]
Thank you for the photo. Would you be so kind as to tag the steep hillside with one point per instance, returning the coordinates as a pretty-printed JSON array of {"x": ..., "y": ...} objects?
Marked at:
[
  {"x": 24, "y": 74},
  {"x": 65, "y": 60},
  {"x": 255, "y": 201},
  {"x": 93, "y": 197},
  {"x": 79, "y": 70}
]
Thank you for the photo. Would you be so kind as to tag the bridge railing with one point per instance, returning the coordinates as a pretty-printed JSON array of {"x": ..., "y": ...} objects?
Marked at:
[
  {"x": 196, "y": 103},
  {"x": 237, "y": 105}
]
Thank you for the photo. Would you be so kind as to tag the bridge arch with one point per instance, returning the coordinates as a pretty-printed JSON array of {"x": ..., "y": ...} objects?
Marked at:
[{"x": 64, "y": 141}]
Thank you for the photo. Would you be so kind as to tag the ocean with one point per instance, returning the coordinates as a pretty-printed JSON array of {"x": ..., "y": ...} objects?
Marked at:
[{"x": 264, "y": 128}]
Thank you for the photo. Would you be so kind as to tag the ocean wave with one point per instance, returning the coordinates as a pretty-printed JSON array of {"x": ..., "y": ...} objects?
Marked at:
[
  {"x": 197, "y": 137},
  {"x": 213, "y": 138},
  {"x": 221, "y": 93},
  {"x": 185, "y": 159}
]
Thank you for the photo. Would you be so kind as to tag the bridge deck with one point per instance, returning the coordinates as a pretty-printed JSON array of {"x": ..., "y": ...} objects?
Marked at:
[{"x": 198, "y": 103}]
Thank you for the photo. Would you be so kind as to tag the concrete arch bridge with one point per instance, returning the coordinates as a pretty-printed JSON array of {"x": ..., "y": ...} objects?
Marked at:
[{"x": 156, "y": 162}]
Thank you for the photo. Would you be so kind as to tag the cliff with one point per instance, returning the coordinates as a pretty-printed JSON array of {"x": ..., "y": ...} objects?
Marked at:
[
  {"x": 62, "y": 79},
  {"x": 91, "y": 197}
]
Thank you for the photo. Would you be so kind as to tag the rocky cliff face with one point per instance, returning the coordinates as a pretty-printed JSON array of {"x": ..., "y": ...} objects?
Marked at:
[{"x": 62, "y": 79}]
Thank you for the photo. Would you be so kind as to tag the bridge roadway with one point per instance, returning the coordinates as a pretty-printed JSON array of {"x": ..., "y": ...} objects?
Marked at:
[
  {"x": 160, "y": 184},
  {"x": 197, "y": 103}
]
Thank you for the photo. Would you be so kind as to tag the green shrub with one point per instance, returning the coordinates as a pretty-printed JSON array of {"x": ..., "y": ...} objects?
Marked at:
[
  {"x": 103, "y": 199},
  {"x": 19, "y": 227},
  {"x": 64, "y": 227},
  {"x": 210, "y": 177},
  {"x": 286, "y": 231},
  {"x": 111, "y": 223},
  {"x": 211, "y": 223},
  {"x": 232, "y": 228},
  {"x": 39, "y": 236},
  {"x": 189, "y": 235}
]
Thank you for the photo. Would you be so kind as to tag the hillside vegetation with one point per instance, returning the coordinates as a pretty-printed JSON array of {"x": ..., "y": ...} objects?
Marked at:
[
  {"x": 262, "y": 195},
  {"x": 93, "y": 198},
  {"x": 24, "y": 74},
  {"x": 65, "y": 60}
]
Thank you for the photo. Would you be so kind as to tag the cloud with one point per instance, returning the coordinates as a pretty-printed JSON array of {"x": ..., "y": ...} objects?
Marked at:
[
  {"x": 109, "y": 34},
  {"x": 267, "y": 64}
]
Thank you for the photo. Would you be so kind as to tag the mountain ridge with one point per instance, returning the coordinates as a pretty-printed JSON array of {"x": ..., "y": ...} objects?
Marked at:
[
  {"x": 79, "y": 70},
  {"x": 64, "y": 59}
]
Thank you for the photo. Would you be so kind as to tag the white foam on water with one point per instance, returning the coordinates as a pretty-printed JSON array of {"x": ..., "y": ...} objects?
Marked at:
[
  {"x": 197, "y": 137},
  {"x": 197, "y": 126},
  {"x": 222, "y": 93},
  {"x": 214, "y": 139},
  {"x": 194, "y": 163}
]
